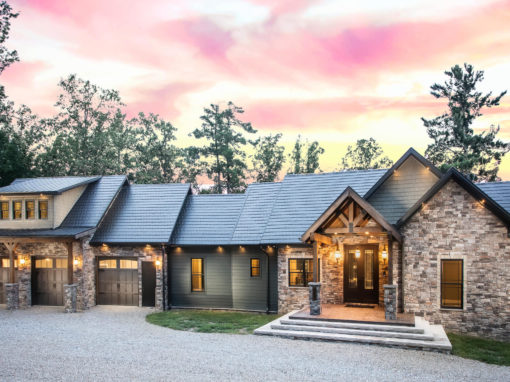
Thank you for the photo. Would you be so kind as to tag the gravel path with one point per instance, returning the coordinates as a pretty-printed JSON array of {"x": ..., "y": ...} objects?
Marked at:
[{"x": 115, "y": 343}]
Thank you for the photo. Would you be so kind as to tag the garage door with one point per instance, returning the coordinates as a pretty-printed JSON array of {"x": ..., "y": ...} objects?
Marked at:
[
  {"x": 117, "y": 282},
  {"x": 4, "y": 277},
  {"x": 48, "y": 278}
]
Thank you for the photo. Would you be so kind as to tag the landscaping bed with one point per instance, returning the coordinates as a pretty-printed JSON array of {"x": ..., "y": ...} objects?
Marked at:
[
  {"x": 210, "y": 321},
  {"x": 481, "y": 349}
]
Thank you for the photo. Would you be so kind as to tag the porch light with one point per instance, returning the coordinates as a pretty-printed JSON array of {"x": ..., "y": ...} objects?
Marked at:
[
  {"x": 338, "y": 255},
  {"x": 384, "y": 254},
  {"x": 357, "y": 253},
  {"x": 76, "y": 262},
  {"x": 158, "y": 263}
]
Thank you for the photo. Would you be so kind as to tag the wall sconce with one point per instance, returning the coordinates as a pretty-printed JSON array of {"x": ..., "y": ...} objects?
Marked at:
[
  {"x": 357, "y": 253},
  {"x": 76, "y": 261},
  {"x": 158, "y": 262},
  {"x": 384, "y": 255},
  {"x": 338, "y": 256},
  {"x": 22, "y": 261}
]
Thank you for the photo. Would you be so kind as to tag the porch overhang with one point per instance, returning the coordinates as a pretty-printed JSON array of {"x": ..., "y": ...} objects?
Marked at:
[{"x": 351, "y": 221}]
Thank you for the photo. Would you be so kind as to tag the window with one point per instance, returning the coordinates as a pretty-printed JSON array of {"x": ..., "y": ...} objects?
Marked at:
[
  {"x": 301, "y": 272},
  {"x": 44, "y": 263},
  {"x": 61, "y": 263},
  {"x": 108, "y": 263},
  {"x": 197, "y": 275},
  {"x": 4, "y": 215},
  {"x": 29, "y": 209},
  {"x": 128, "y": 264},
  {"x": 16, "y": 207},
  {"x": 43, "y": 209},
  {"x": 6, "y": 263},
  {"x": 255, "y": 267},
  {"x": 451, "y": 284}
]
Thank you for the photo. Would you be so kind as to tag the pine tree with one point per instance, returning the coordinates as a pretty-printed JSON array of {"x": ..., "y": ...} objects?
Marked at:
[
  {"x": 366, "y": 154},
  {"x": 268, "y": 158}
]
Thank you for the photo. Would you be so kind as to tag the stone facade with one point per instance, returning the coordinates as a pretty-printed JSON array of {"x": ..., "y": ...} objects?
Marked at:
[
  {"x": 390, "y": 302},
  {"x": 331, "y": 271},
  {"x": 453, "y": 225}
]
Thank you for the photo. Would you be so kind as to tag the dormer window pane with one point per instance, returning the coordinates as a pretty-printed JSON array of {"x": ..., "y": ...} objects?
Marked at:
[
  {"x": 43, "y": 209},
  {"x": 16, "y": 208},
  {"x": 4, "y": 214},
  {"x": 30, "y": 209}
]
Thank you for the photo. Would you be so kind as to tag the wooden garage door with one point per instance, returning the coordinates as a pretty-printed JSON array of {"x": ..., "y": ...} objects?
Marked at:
[
  {"x": 117, "y": 282},
  {"x": 4, "y": 277},
  {"x": 48, "y": 278}
]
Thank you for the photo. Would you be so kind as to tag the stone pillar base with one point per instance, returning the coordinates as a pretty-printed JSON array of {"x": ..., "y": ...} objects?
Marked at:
[
  {"x": 315, "y": 298},
  {"x": 12, "y": 296},
  {"x": 70, "y": 292},
  {"x": 390, "y": 302}
]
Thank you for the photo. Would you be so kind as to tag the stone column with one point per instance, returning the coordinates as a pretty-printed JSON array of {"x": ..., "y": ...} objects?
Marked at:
[
  {"x": 70, "y": 292},
  {"x": 12, "y": 295},
  {"x": 390, "y": 302},
  {"x": 315, "y": 298}
]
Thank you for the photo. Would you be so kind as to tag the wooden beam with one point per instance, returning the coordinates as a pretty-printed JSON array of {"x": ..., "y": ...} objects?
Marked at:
[
  {"x": 315, "y": 260},
  {"x": 358, "y": 218},
  {"x": 69, "y": 245},
  {"x": 390, "y": 259},
  {"x": 322, "y": 239},
  {"x": 11, "y": 249},
  {"x": 20, "y": 240},
  {"x": 354, "y": 230},
  {"x": 344, "y": 219},
  {"x": 351, "y": 212}
]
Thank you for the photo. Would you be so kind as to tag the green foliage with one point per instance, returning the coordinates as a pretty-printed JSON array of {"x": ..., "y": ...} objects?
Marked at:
[
  {"x": 306, "y": 163},
  {"x": 366, "y": 154},
  {"x": 14, "y": 158},
  {"x": 481, "y": 349},
  {"x": 268, "y": 158},
  {"x": 456, "y": 144},
  {"x": 207, "y": 321},
  {"x": 224, "y": 155},
  {"x": 7, "y": 57}
]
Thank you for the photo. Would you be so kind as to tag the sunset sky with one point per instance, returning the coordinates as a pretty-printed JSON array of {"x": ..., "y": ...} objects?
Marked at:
[{"x": 331, "y": 70}]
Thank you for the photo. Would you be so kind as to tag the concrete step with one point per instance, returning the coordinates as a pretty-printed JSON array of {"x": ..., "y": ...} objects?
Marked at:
[
  {"x": 351, "y": 325},
  {"x": 429, "y": 337},
  {"x": 355, "y": 332}
]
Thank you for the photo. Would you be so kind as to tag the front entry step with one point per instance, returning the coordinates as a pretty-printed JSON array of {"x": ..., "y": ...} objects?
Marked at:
[{"x": 422, "y": 336}]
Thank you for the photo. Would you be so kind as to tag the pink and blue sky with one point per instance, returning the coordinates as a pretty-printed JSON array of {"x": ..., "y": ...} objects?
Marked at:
[{"x": 331, "y": 70}]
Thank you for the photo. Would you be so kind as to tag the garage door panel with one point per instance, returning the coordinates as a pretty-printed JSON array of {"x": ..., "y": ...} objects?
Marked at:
[
  {"x": 48, "y": 282},
  {"x": 117, "y": 285}
]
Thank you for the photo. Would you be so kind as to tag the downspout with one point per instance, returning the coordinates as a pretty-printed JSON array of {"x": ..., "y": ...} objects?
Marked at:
[{"x": 268, "y": 280}]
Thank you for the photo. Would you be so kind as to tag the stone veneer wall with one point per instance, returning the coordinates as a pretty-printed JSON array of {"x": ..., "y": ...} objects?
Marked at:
[
  {"x": 331, "y": 272},
  {"x": 142, "y": 253},
  {"x": 453, "y": 225}
]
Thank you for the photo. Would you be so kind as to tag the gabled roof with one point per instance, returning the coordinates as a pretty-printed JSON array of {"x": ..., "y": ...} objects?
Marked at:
[
  {"x": 257, "y": 207},
  {"x": 303, "y": 198},
  {"x": 47, "y": 186},
  {"x": 143, "y": 214},
  {"x": 208, "y": 219},
  {"x": 408, "y": 153},
  {"x": 94, "y": 202},
  {"x": 349, "y": 193},
  {"x": 469, "y": 186},
  {"x": 498, "y": 191}
]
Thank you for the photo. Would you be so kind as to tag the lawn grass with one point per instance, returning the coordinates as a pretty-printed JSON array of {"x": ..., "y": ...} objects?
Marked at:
[
  {"x": 210, "y": 321},
  {"x": 481, "y": 349}
]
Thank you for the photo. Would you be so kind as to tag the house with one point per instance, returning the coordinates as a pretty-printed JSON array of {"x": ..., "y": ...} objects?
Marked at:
[{"x": 408, "y": 238}]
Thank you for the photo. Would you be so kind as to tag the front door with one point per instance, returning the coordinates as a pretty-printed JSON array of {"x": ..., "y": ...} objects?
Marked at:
[{"x": 361, "y": 276}]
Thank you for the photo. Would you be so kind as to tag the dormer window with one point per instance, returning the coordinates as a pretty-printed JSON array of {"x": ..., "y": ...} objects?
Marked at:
[
  {"x": 29, "y": 209},
  {"x": 43, "y": 209},
  {"x": 17, "y": 210},
  {"x": 4, "y": 212}
]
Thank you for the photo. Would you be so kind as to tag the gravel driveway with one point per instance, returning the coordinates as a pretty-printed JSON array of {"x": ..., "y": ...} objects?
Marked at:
[{"x": 115, "y": 343}]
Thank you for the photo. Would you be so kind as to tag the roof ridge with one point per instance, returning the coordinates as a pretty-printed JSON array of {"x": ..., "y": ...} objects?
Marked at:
[
  {"x": 246, "y": 193},
  {"x": 336, "y": 172},
  {"x": 272, "y": 211}
]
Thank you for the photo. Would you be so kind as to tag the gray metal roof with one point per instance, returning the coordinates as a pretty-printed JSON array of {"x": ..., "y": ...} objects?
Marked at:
[
  {"x": 208, "y": 219},
  {"x": 303, "y": 198},
  {"x": 94, "y": 202},
  {"x": 58, "y": 232},
  {"x": 49, "y": 186},
  {"x": 143, "y": 214},
  {"x": 498, "y": 191},
  {"x": 259, "y": 202}
]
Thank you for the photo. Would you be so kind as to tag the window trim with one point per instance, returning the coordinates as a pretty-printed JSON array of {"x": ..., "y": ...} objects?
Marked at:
[
  {"x": 14, "y": 209},
  {"x": 448, "y": 307},
  {"x": 39, "y": 209},
  {"x": 252, "y": 267},
  {"x": 304, "y": 273},
  {"x": 202, "y": 274},
  {"x": 5, "y": 202},
  {"x": 26, "y": 209}
]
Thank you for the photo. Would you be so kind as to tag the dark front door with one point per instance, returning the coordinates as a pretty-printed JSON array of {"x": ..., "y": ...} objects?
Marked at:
[
  {"x": 361, "y": 276},
  {"x": 48, "y": 278},
  {"x": 117, "y": 282},
  {"x": 148, "y": 283}
]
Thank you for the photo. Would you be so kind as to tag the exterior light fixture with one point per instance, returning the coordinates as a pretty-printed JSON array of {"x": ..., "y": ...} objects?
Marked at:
[
  {"x": 75, "y": 262},
  {"x": 158, "y": 263},
  {"x": 338, "y": 255},
  {"x": 357, "y": 253},
  {"x": 384, "y": 255},
  {"x": 366, "y": 233},
  {"x": 22, "y": 261}
]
